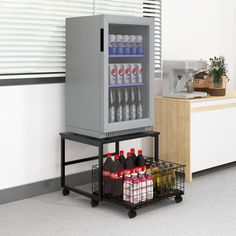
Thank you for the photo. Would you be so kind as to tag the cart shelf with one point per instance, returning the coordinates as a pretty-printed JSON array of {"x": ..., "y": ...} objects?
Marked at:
[{"x": 96, "y": 190}]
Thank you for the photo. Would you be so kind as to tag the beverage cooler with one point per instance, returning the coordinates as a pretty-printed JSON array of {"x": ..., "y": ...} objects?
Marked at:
[{"x": 109, "y": 75}]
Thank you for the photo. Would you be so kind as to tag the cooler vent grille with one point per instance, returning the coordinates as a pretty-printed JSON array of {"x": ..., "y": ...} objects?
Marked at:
[{"x": 128, "y": 131}]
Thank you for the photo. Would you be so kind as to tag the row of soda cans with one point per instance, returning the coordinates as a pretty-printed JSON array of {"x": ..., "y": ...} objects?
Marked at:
[
  {"x": 125, "y": 44},
  {"x": 125, "y": 73}
]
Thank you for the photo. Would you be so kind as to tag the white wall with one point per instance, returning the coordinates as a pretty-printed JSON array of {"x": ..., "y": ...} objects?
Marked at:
[
  {"x": 31, "y": 119},
  {"x": 199, "y": 29}
]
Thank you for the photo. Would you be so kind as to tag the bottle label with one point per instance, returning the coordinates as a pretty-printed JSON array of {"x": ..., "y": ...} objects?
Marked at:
[
  {"x": 119, "y": 48},
  {"x": 112, "y": 48},
  {"x": 106, "y": 173},
  {"x": 133, "y": 48},
  {"x": 126, "y": 48}
]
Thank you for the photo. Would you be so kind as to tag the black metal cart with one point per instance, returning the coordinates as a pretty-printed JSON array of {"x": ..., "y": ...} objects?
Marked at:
[{"x": 96, "y": 195}]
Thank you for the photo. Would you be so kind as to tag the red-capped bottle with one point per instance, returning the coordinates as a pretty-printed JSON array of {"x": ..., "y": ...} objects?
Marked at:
[
  {"x": 129, "y": 163},
  {"x": 107, "y": 174},
  {"x": 132, "y": 150},
  {"x": 140, "y": 162},
  {"x": 122, "y": 159},
  {"x": 116, "y": 178}
]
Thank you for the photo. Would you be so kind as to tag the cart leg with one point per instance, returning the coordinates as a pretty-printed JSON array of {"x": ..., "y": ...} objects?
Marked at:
[
  {"x": 178, "y": 198},
  {"x": 62, "y": 162},
  {"x": 100, "y": 177},
  {"x": 132, "y": 213},
  {"x": 117, "y": 147},
  {"x": 156, "y": 143},
  {"x": 65, "y": 191}
]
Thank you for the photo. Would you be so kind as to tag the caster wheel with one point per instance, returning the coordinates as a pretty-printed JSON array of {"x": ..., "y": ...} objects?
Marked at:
[
  {"x": 132, "y": 214},
  {"x": 178, "y": 199},
  {"x": 94, "y": 203},
  {"x": 65, "y": 191}
]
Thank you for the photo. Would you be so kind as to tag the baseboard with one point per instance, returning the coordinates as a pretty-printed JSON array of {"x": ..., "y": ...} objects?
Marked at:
[
  {"x": 42, "y": 187},
  {"x": 214, "y": 169}
]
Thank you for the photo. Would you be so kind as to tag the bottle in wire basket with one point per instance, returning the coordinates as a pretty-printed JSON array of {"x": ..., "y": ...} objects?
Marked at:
[
  {"x": 119, "y": 107},
  {"x": 149, "y": 183},
  {"x": 166, "y": 178},
  {"x": 116, "y": 178},
  {"x": 132, "y": 150},
  {"x": 129, "y": 169},
  {"x": 126, "y": 107},
  {"x": 127, "y": 187},
  {"x": 107, "y": 174},
  {"x": 172, "y": 176},
  {"x": 112, "y": 111},
  {"x": 135, "y": 189},
  {"x": 122, "y": 159},
  {"x": 143, "y": 186},
  {"x": 140, "y": 162}
]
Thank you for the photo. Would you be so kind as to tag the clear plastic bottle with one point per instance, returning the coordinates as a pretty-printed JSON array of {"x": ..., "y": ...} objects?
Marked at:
[
  {"x": 143, "y": 186},
  {"x": 133, "y": 107},
  {"x": 111, "y": 117},
  {"x": 135, "y": 189},
  {"x": 126, "y": 107},
  {"x": 139, "y": 105},
  {"x": 119, "y": 108},
  {"x": 126, "y": 188},
  {"x": 149, "y": 183}
]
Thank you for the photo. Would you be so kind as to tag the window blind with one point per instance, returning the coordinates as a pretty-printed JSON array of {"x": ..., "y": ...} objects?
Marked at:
[{"x": 32, "y": 32}]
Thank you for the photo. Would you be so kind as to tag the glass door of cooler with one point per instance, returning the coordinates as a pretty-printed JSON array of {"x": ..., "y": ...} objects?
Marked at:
[{"x": 130, "y": 74}]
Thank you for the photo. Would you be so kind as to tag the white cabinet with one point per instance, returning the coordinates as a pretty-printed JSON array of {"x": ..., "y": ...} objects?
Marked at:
[{"x": 199, "y": 133}]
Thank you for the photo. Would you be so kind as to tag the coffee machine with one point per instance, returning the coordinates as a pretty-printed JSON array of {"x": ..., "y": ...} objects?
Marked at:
[{"x": 178, "y": 78}]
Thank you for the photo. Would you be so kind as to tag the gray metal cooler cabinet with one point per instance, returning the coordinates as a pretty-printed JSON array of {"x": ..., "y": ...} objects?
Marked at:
[{"x": 87, "y": 73}]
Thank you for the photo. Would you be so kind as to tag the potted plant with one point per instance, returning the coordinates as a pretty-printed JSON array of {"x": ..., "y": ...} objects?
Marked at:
[{"x": 218, "y": 77}]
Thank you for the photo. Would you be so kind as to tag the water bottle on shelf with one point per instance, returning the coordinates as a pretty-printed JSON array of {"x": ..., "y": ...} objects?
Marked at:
[
  {"x": 139, "y": 40},
  {"x": 139, "y": 105},
  {"x": 111, "y": 106},
  {"x": 126, "y": 109},
  {"x": 112, "y": 44},
  {"x": 132, "y": 105},
  {"x": 119, "y": 107}
]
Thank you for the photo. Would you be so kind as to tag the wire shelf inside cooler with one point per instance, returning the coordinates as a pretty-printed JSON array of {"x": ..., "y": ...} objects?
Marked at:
[
  {"x": 162, "y": 190},
  {"x": 115, "y": 56},
  {"x": 125, "y": 85}
]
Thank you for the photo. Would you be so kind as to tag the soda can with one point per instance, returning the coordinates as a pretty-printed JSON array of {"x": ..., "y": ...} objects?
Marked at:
[
  {"x": 139, "y": 73},
  {"x": 133, "y": 44},
  {"x": 139, "y": 43},
  {"x": 112, "y": 44},
  {"x": 119, "y": 44},
  {"x": 112, "y": 73},
  {"x": 120, "y": 73},
  {"x": 126, "y": 73},
  {"x": 126, "y": 45},
  {"x": 133, "y": 76}
]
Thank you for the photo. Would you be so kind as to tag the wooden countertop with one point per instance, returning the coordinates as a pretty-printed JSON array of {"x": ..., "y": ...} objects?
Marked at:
[{"x": 229, "y": 94}]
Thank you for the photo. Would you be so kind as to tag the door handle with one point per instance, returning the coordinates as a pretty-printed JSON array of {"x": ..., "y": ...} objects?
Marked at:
[{"x": 102, "y": 40}]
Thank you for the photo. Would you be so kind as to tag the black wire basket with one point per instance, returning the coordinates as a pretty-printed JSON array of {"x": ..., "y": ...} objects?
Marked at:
[{"x": 168, "y": 180}]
